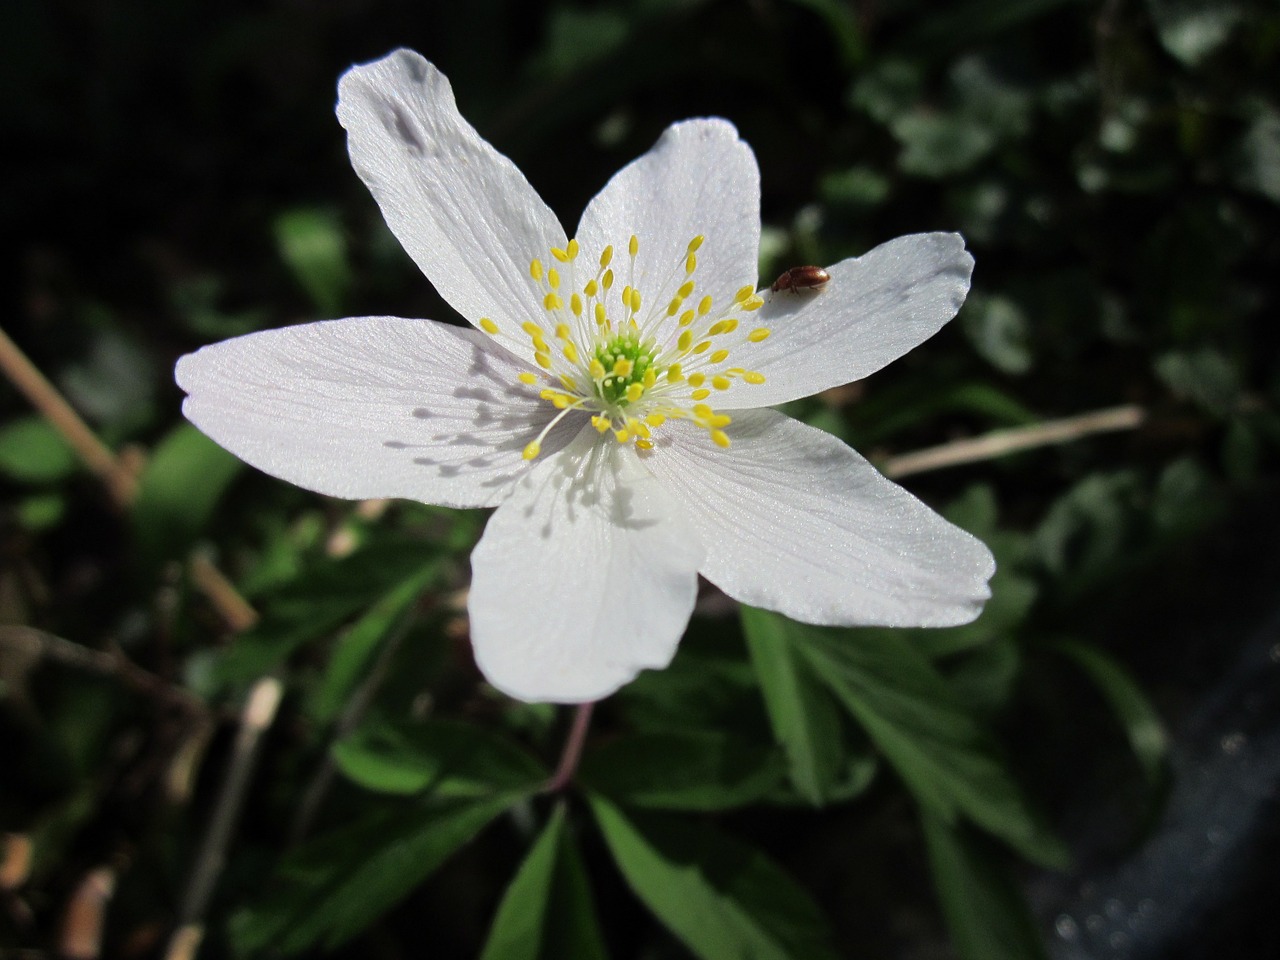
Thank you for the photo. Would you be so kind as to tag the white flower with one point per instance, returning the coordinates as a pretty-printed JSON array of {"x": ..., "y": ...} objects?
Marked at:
[{"x": 608, "y": 402}]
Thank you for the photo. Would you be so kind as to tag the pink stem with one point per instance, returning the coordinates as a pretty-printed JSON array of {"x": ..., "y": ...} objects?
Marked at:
[{"x": 572, "y": 749}]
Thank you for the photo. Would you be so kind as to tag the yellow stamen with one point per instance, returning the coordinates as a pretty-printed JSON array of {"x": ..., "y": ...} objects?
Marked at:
[{"x": 488, "y": 326}]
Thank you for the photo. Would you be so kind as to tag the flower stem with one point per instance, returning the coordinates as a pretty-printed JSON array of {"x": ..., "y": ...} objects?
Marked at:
[{"x": 572, "y": 749}]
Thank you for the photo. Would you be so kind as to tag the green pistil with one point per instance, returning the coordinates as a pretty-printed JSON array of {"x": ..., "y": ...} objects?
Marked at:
[{"x": 612, "y": 389}]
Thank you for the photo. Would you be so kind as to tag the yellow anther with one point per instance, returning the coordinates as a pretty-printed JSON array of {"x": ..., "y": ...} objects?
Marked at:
[
  {"x": 633, "y": 247},
  {"x": 695, "y": 243},
  {"x": 601, "y": 423},
  {"x": 719, "y": 438},
  {"x": 488, "y": 326},
  {"x": 702, "y": 411},
  {"x": 752, "y": 377},
  {"x": 622, "y": 367},
  {"x": 561, "y": 255},
  {"x": 690, "y": 263},
  {"x": 640, "y": 430},
  {"x": 719, "y": 420},
  {"x": 721, "y": 382},
  {"x": 562, "y": 331},
  {"x": 704, "y": 305},
  {"x": 644, "y": 444},
  {"x": 686, "y": 318},
  {"x": 622, "y": 436},
  {"x": 531, "y": 328},
  {"x": 571, "y": 352},
  {"x": 597, "y": 369},
  {"x": 543, "y": 360},
  {"x": 634, "y": 392},
  {"x": 697, "y": 380},
  {"x": 743, "y": 293},
  {"x": 540, "y": 345},
  {"x": 674, "y": 374},
  {"x": 655, "y": 419},
  {"x": 535, "y": 269},
  {"x": 591, "y": 289},
  {"x": 606, "y": 256},
  {"x": 552, "y": 301},
  {"x": 719, "y": 356},
  {"x": 716, "y": 329},
  {"x": 607, "y": 280},
  {"x": 575, "y": 304},
  {"x": 532, "y": 449},
  {"x": 730, "y": 325},
  {"x": 685, "y": 339},
  {"x": 702, "y": 346},
  {"x": 650, "y": 378},
  {"x": 674, "y": 306},
  {"x": 686, "y": 288},
  {"x": 572, "y": 249},
  {"x": 701, "y": 394},
  {"x": 601, "y": 316},
  {"x": 635, "y": 300},
  {"x": 753, "y": 303},
  {"x": 527, "y": 377},
  {"x": 553, "y": 278},
  {"x": 758, "y": 334}
]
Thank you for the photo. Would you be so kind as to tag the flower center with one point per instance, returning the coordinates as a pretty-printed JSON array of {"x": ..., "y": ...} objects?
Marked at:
[{"x": 630, "y": 363}]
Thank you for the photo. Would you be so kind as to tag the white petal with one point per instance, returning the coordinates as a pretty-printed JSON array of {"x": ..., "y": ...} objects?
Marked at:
[
  {"x": 795, "y": 521},
  {"x": 876, "y": 308},
  {"x": 585, "y": 577},
  {"x": 371, "y": 407},
  {"x": 462, "y": 211},
  {"x": 698, "y": 179}
]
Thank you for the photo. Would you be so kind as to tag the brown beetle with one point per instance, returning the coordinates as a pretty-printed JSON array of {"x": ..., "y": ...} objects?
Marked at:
[{"x": 801, "y": 278}]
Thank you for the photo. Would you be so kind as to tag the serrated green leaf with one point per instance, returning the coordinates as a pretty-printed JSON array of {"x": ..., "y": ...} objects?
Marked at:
[
  {"x": 355, "y": 649},
  {"x": 448, "y": 757},
  {"x": 320, "y": 599},
  {"x": 547, "y": 911},
  {"x": 337, "y": 885},
  {"x": 986, "y": 915},
  {"x": 943, "y": 754},
  {"x": 692, "y": 770},
  {"x": 184, "y": 479},
  {"x": 32, "y": 451},
  {"x": 722, "y": 898},
  {"x": 804, "y": 717}
]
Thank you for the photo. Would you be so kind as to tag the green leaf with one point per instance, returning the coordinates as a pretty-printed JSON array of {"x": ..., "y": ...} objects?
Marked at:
[
  {"x": 943, "y": 755},
  {"x": 547, "y": 911},
  {"x": 723, "y": 899},
  {"x": 987, "y": 916},
  {"x": 449, "y": 757},
  {"x": 804, "y": 717},
  {"x": 337, "y": 885},
  {"x": 313, "y": 244},
  {"x": 1142, "y": 726},
  {"x": 322, "y": 597},
  {"x": 693, "y": 770},
  {"x": 178, "y": 491},
  {"x": 32, "y": 451},
  {"x": 356, "y": 648},
  {"x": 999, "y": 330}
]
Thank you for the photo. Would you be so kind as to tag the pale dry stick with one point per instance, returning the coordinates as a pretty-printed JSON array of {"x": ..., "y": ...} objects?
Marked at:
[
  {"x": 220, "y": 591},
  {"x": 1001, "y": 442},
  {"x": 258, "y": 714},
  {"x": 44, "y": 396}
]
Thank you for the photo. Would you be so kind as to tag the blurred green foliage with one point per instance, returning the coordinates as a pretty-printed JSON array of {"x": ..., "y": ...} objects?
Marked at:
[{"x": 781, "y": 791}]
